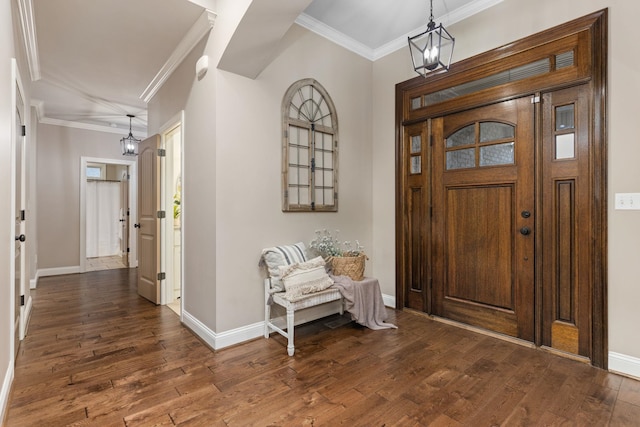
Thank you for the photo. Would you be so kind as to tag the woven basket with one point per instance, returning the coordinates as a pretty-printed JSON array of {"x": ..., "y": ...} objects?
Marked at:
[{"x": 352, "y": 266}]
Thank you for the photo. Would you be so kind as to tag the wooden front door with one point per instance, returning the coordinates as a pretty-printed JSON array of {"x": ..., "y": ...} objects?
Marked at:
[
  {"x": 501, "y": 213},
  {"x": 148, "y": 222},
  {"x": 483, "y": 217}
]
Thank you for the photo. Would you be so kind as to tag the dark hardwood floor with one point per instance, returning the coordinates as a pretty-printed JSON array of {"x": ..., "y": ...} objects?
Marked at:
[{"x": 98, "y": 354}]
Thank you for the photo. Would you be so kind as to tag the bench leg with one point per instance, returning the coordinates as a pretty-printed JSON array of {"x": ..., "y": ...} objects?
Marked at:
[
  {"x": 267, "y": 319},
  {"x": 290, "y": 347}
]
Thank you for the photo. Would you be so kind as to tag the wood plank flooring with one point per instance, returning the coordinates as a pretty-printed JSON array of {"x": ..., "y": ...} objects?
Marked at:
[{"x": 97, "y": 354}]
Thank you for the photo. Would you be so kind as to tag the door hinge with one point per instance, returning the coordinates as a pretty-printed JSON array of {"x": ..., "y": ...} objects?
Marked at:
[
  {"x": 162, "y": 214},
  {"x": 162, "y": 152},
  {"x": 24, "y": 130},
  {"x": 23, "y": 215},
  {"x": 21, "y": 300},
  {"x": 162, "y": 276},
  {"x": 128, "y": 250},
  {"x": 286, "y": 133},
  {"x": 313, "y": 206},
  {"x": 430, "y": 140},
  {"x": 535, "y": 99}
]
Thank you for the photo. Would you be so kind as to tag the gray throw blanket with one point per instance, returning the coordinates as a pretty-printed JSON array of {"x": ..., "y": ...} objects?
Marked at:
[{"x": 364, "y": 301}]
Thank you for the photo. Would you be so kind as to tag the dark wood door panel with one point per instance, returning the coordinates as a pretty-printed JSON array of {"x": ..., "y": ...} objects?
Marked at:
[
  {"x": 567, "y": 222},
  {"x": 483, "y": 263},
  {"x": 480, "y": 245}
]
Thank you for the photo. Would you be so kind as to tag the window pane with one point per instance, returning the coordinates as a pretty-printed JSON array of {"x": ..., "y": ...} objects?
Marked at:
[
  {"x": 294, "y": 175},
  {"x": 303, "y": 196},
  {"x": 293, "y": 195},
  {"x": 416, "y": 165},
  {"x": 328, "y": 160},
  {"x": 298, "y": 156},
  {"x": 513, "y": 75},
  {"x": 93, "y": 172},
  {"x": 464, "y": 136},
  {"x": 416, "y": 144},
  {"x": 564, "y": 60},
  {"x": 416, "y": 103},
  {"x": 460, "y": 159},
  {"x": 328, "y": 197},
  {"x": 565, "y": 117},
  {"x": 490, "y": 131},
  {"x": 498, "y": 154},
  {"x": 565, "y": 146}
]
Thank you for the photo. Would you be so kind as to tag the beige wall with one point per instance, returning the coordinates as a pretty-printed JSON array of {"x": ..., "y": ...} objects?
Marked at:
[
  {"x": 231, "y": 181},
  {"x": 58, "y": 156}
]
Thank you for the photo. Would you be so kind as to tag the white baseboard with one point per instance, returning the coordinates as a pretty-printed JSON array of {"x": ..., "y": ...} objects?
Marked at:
[
  {"x": 6, "y": 389},
  {"x": 222, "y": 339},
  {"x": 245, "y": 333},
  {"x": 623, "y": 364},
  {"x": 57, "y": 271},
  {"x": 33, "y": 283},
  {"x": 389, "y": 300}
]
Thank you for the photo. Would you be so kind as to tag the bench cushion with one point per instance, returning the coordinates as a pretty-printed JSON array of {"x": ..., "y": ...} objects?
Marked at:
[
  {"x": 305, "y": 278},
  {"x": 278, "y": 256}
]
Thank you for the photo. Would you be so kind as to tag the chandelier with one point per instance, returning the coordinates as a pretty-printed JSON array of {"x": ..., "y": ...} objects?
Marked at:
[
  {"x": 432, "y": 49},
  {"x": 129, "y": 144}
]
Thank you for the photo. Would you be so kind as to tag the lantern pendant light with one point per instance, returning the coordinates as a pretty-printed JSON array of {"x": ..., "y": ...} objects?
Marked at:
[
  {"x": 431, "y": 50},
  {"x": 129, "y": 144}
]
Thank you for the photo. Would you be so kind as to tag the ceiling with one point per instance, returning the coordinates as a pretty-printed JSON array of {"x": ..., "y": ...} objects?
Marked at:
[{"x": 94, "y": 62}]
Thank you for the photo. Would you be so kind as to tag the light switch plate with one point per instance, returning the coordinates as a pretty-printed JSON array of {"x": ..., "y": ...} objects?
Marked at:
[{"x": 628, "y": 201}]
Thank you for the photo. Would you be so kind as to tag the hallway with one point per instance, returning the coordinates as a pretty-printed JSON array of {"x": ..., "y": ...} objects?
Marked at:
[{"x": 98, "y": 354}]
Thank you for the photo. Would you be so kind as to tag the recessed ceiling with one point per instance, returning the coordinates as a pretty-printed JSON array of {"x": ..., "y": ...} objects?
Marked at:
[{"x": 94, "y": 61}]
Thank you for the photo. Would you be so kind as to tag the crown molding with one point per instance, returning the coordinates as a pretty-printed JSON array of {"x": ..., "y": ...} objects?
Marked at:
[
  {"x": 28, "y": 24},
  {"x": 347, "y": 42},
  {"x": 322, "y": 29},
  {"x": 87, "y": 126},
  {"x": 79, "y": 125},
  {"x": 200, "y": 28}
]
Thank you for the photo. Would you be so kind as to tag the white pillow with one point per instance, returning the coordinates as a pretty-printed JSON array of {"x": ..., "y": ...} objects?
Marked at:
[
  {"x": 304, "y": 278},
  {"x": 279, "y": 256}
]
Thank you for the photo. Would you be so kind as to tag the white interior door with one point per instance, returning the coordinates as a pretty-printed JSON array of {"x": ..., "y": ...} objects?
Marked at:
[{"x": 148, "y": 224}]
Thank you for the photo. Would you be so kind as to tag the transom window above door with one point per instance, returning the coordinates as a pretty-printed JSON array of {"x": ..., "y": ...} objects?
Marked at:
[
  {"x": 481, "y": 144},
  {"x": 309, "y": 149}
]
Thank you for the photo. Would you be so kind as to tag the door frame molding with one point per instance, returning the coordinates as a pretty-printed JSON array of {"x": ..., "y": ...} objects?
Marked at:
[
  {"x": 175, "y": 121},
  {"x": 588, "y": 36},
  {"x": 133, "y": 211}
]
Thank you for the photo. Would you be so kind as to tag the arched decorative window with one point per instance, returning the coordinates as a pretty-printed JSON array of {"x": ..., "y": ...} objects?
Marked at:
[{"x": 309, "y": 149}]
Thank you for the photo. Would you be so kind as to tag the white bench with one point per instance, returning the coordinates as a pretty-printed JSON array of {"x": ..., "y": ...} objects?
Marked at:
[{"x": 305, "y": 301}]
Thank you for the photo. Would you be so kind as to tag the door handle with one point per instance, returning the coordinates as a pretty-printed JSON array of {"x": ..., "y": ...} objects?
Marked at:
[
  {"x": 21, "y": 237},
  {"x": 525, "y": 231},
  {"x": 136, "y": 225}
]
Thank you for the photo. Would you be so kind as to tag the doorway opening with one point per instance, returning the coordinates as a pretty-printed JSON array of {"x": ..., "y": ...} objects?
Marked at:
[
  {"x": 171, "y": 202},
  {"x": 107, "y": 205}
]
